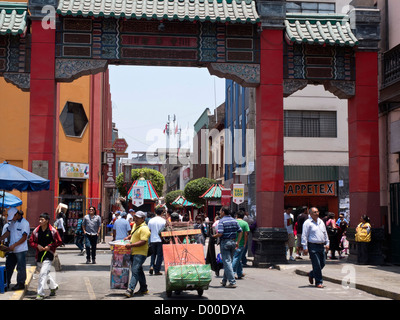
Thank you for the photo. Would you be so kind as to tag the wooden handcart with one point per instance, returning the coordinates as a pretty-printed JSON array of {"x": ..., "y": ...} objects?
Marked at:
[{"x": 185, "y": 267}]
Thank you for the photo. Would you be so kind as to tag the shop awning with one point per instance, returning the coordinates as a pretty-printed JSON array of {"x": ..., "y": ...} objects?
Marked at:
[
  {"x": 13, "y": 17},
  {"x": 234, "y": 11},
  {"x": 150, "y": 192},
  {"x": 330, "y": 29}
]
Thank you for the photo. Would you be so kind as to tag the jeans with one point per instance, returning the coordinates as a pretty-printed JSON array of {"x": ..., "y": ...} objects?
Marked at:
[
  {"x": 227, "y": 248},
  {"x": 91, "y": 245},
  {"x": 317, "y": 256},
  {"x": 45, "y": 277},
  {"x": 237, "y": 261},
  {"x": 16, "y": 259},
  {"x": 79, "y": 241},
  {"x": 157, "y": 256},
  {"x": 137, "y": 273}
]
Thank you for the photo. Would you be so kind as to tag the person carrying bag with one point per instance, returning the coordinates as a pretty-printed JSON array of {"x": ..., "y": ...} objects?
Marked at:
[{"x": 363, "y": 238}]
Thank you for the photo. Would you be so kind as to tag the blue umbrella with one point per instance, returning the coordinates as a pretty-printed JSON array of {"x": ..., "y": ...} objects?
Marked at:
[
  {"x": 9, "y": 200},
  {"x": 12, "y": 177}
]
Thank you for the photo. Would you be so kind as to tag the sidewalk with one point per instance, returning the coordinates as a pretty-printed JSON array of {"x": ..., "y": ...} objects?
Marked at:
[
  {"x": 382, "y": 281},
  {"x": 378, "y": 280}
]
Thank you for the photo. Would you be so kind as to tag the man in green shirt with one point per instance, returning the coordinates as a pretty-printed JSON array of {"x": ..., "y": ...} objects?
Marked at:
[{"x": 237, "y": 257}]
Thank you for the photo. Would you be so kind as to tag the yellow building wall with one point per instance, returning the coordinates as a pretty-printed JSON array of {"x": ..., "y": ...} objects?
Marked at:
[
  {"x": 14, "y": 129},
  {"x": 72, "y": 149}
]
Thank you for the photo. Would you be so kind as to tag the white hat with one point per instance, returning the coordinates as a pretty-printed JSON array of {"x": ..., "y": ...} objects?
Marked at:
[
  {"x": 140, "y": 214},
  {"x": 11, "y": 213}
]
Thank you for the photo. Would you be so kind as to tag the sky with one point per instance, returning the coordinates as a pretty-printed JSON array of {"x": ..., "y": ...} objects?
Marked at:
[{"x": 143, "y": 97}]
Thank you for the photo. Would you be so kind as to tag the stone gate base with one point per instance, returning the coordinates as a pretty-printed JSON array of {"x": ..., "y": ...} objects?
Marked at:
[
  {"x": 270, "y": 246},
  {"x": 375, "y": 252}
]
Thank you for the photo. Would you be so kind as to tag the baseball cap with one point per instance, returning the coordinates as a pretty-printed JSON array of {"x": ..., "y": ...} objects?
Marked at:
[
  {"x": 124, "y": 214},
  {"x": 140, "y": 214},
  {"x": 11, "y": 213}
]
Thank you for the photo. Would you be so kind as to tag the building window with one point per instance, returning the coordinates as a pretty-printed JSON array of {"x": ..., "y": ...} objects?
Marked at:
[
  {"x": 73, "y": 119},
  {"x": 320, "y": 124},
  {"x": 309, "y": 7}
]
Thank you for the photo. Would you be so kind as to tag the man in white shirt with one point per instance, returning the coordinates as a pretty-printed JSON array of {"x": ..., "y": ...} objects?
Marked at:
[
  {"x": 315, "y": 240},
  {"x": 288, "y": 220},
  {"x": 18, "y": 230},
  {"x": 156, "y": 225}
]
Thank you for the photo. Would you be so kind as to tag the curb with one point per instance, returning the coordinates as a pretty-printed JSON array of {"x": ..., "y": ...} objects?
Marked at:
[
  {"x": 366, "y": 288},
  {"x": 19, "y": 294}
]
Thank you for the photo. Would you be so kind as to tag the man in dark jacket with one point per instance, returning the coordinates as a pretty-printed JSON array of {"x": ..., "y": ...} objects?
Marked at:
[{"x": 45, "y": 239}]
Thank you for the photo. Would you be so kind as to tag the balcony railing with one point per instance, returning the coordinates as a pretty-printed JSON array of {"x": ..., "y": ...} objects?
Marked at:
[{"x": 391, "y": 66}]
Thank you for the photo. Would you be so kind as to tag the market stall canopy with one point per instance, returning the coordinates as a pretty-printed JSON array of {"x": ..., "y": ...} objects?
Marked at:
[
  {"x": 214, "y": 192},
  {"x": 12, "y": 177},
  {"x": 150, "y": 192},
  {"x": 8, "y": 200},
  {"x": 182, "y": 202}
]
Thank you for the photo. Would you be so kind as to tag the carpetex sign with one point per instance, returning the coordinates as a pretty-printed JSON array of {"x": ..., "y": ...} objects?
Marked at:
[{"x": 301, "y": 189}]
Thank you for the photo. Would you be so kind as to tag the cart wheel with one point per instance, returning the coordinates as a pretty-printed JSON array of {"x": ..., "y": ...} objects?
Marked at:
[
  {"x": 200, "y": 292},
  {"x": 169, "y": 293}
]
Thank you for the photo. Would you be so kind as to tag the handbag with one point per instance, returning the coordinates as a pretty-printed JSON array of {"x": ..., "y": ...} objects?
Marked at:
[{"x": 150, "y": 251}]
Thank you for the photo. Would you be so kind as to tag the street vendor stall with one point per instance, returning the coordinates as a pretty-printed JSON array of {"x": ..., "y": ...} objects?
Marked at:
[
  {"x": 184, "y": 262},
  {"x": 120, "y": 264}
]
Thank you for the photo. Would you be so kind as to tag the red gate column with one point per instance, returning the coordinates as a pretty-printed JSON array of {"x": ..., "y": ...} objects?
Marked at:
[
  {"x": 42, "y": 117},
  {"x": 270, "y": 236},
  {"x": 363, "y": 114},
  {"x": 364, "y": 154},
  {"x": 269, "y": 131},
  {"x": 364, "y": 141}
]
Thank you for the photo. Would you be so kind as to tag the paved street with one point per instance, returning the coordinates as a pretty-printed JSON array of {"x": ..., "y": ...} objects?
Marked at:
[{"x": 79, "y": 281}]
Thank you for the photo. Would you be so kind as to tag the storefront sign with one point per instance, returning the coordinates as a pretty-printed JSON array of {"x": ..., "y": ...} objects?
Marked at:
[
  {"x": 110, "y": 169},
  {"x": 238, "y": 193},
  {"x": 137, "y": 195},
  {"x": 74, "y": 170},
  {"x": 301, "y": 189},
  {"x": 225, "y": 197}
]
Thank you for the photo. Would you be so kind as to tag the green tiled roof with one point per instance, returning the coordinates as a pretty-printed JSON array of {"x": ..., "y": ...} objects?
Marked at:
[
  {"x": 332, "y": 29},
  {"x": 241, "y": 11},
  {"x": 150, "y": 192},
  {"x": 214, "y": 192},
  {"x": 13, "y": 17}
]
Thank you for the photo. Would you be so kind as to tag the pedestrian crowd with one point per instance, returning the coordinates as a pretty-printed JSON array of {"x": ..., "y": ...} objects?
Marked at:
[{"x": 308, "y": 234}]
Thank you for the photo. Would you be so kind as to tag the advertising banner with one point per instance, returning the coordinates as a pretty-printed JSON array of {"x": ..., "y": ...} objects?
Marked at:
[
  {"x": 226, "y": 197},
  {"x": 137, "y": 195},
  {"x": 238, "y": 193}
]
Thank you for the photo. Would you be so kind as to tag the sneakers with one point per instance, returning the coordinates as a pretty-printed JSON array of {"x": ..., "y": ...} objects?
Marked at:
[
  {"x": 141, "y": 293},
  {"x": 82, "y": 252},
  {"x": 230, "y": 285},
  {"x": 129, "y": 293},
  {"x": 53, "y": 292},
  {"x": 39, "y": 297}
]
